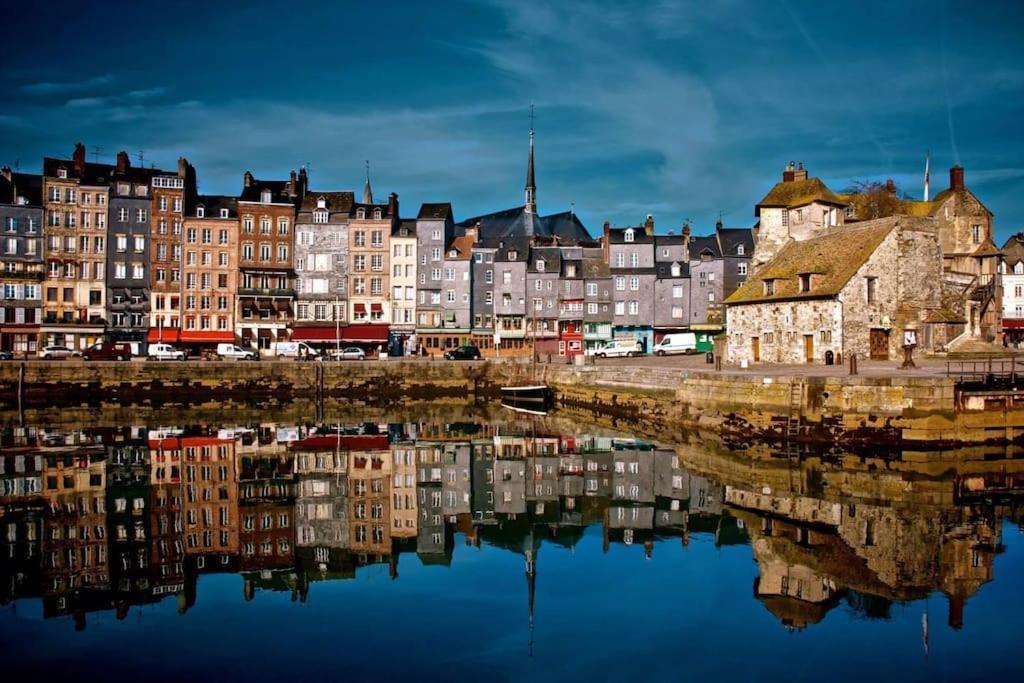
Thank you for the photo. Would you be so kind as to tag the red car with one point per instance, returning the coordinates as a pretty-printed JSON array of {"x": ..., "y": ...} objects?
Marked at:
[{"x": 107, "y": 351}]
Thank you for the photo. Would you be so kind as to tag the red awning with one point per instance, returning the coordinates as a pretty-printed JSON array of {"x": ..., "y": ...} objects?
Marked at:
[
  {"x": 356, "y": 442},
  {"x": 360, "y": 308},
  {"x": 376, "y": 308},
  {"x": 322, "y": 333},
  {"x": 375, "y": 334},
  {"x": 168, "y": 335},
  {"x": 1013, "y": 323},
  {"x": 207, "y": 336}
]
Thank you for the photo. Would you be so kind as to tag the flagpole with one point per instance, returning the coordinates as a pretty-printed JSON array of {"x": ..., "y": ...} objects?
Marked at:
[{"x": 927, "y": 175}]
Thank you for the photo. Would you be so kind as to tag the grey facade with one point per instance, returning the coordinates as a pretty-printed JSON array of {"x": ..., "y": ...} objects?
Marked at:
[
  {"x": 456, "y": 483},
  {"x": 21, "y": 260},
  {"x": 707, "y": 278},
  {"x": 321, "y": 500},
  {"x": 482, "y": 481},
  {"x": 128, "y": 253},
  {"x": 510, "y": 291},
  {"x": 482, "y": 280},
  {"x": 457, "y": 285},
  {"x": 672, "y": 295},
  {"x": 543, "y": 277},
  {"x": 434, "y": 232},
  {"x": 321, "y": 262},
  {"x": 633, "y": 475}
]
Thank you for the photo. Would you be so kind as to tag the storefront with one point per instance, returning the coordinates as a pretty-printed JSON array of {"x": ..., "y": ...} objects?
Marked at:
[
  {"x": 19, "y": 338},
  {"x": 163, "y": 335},
  {"x": 641, "y": 335},
  {"x": 197, "y": 342},
  {"x": 570, "y": 338},
  {"x": 74, "y": 336}
]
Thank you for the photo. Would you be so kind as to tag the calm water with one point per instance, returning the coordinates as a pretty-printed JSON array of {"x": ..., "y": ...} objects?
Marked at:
[{"x": 540, "y": 550}]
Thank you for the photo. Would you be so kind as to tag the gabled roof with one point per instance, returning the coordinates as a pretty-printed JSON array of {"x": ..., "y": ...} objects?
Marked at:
[
  {"x": 795, "y": 193},
  {"x": 705, "y": 244},
  {"x": 440, "y": 211},
  {"x": 27, "y": 185},
  {"x": 1013, "y": 249},
  {"x": 340, "y": 202},
  {"x": 92, "y": 174},
  {"x": 596, "y": 269},
  {"x": 517, "y": 222},
  {"x": 729, "y": 239},
  {"x": 406, "y": 227},
  {"x": 213, "y": 203},
  {"x": 280, "y": 191},
  {"x": 463, "y": 247},
  {"x": 664, "y": 269},
  {"x": 552, "y": 257},
  {"x": 834, "y": 258},
  {"x": 640, "y": 236}
]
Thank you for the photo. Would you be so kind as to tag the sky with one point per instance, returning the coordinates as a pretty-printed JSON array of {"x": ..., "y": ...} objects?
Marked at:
[{"x": 683, "y": 110}]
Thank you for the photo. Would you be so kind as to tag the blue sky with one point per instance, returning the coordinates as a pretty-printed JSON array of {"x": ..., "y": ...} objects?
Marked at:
[{"x": 678, "y": 109}]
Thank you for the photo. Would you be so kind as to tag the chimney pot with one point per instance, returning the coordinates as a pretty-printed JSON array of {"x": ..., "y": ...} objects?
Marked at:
[
  {"x": 123, "y": 162},
  {"x": 247, "y": 179},
  {"x": 79, "y": 158},
  {"x": 956, "y": 177}
]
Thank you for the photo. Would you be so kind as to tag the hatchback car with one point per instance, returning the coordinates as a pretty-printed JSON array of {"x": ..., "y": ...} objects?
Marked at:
[
  {"x": 347, "y": 353},
  {"x": 57, "y": 352},
  {"x": 463, "y": 353}
]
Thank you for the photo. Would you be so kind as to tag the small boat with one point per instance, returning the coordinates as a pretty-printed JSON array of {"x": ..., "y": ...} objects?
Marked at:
[{"x": 538, "y": 397}]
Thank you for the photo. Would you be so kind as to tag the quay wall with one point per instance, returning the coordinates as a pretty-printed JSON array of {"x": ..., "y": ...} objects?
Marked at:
[{"x": 840, "y": 410}]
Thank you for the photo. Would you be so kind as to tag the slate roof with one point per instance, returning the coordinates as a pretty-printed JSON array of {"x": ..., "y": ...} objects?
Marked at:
[
  {"x": 406, "y": 227},
  {"x": 1013, "y": 250},
  {"x": 669, "y": 240},
  {"x": 92, "y": 174},
  {"x": 279, "y": 191},
  {"x": 27, "y": 185},
  {"x": 794, "y": 193},
  {"x": 515, "y": 243},
  {"x": 704, "y": 243},
  {"x": 340, "y": 202},
  {"x": 440, "y": 211},
  {"x": 731, "y": 238},
  {"x": 640, "y": 236},
  {"x": 517, "y": 222},
  {"x": 834, "y": 258},
  {"x": 552, "y": 257},
  {"x": 213, "y": 203},
  {"x": 596, "y": 269}
]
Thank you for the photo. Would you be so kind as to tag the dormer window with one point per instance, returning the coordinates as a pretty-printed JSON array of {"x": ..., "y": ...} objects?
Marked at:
[
  {"x": 1018, "y": 268},
  {"x": 123, "y": 188},
  {"x": 805, "y": 282},
  {"x": 321, "y": 203},
  {"x": 676, "y": 270},
  {"x": 376, "y": 214},
  {"x": 223, "y": 213},
  {"x": 740, "y": 250},
  {"x": 453, "y": 253},
  {"x": 265, "y": 197},
  {"x": 540, "y": 265},
  {"x": 769, "y": 287},
  {"x": 62, "y": 173},
  {"x": 200, "y": 212},
  {"x": 628, "y": 235},
  {"x": 320, "y": 216},
  {"x": 360, "y": 213},
  {"x": 513, "y": 255}
]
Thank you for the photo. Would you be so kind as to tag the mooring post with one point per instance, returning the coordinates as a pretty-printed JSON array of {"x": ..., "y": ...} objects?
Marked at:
[
  {"x": 21, "y": 390},
  {"x": 853, "y": 364}
]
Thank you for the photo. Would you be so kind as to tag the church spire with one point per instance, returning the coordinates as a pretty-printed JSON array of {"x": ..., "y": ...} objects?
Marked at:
[
  {"x": 531, "y": 185},
  {"x": 367, "y": 190}
]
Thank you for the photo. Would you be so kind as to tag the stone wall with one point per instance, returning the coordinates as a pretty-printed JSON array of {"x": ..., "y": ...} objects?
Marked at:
[{"x": 780, "y": 327}]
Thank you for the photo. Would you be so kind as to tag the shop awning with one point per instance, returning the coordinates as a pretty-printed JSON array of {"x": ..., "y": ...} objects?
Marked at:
[
  {"x": 168, "y": 335},
  {"x": 321, "y": 333},
  {"x": 207, "y": 336},
  {"x": 360, "y": 308},
  {"x": 1013, "y": 323},
  {"x": 368, "y": 334},
  {"x": 376, "y": 308}
]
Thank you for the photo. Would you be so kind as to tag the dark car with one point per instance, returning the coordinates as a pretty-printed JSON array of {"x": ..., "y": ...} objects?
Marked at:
[
  {"x": 6, "y": 355},
  {"x": 463, "y": 353},
  {"x": 107, "y": 351}
]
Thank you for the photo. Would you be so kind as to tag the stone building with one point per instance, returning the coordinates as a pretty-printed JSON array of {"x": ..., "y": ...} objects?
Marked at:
[
  {"x": 370, "y": 228},
  {"x": 672, "y": 283},
  {"x": 456, "y": 315},
  {"x": 21, "y": 260},
  {"x": 403, "y": 285},
  {"x": 128, "y": 252},
  {"x": 795, "y": 209},
  {"x": 571, "y": 292},
  {"x": 510, "y": 307},
  {"x": 171, "y": 192},
  {"x": 630, "y": 255},
  {"x": 321, "y": 266},
  {"x": 209, "y": 272},
  {"x": 266, "y": 288},
  {"x": 76, "y": 195},
  {"x": 855, "y": 291},
  {"x": 482, "y": 290},
  {"x": 543, "y": 276}
]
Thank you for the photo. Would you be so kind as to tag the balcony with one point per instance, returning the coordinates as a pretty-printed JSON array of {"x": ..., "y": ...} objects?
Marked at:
[
  {"x": 267, "y": 291},
  {"x": 22, "y": 275}
]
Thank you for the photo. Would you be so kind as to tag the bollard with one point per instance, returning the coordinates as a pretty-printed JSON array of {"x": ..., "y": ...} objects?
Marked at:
[
  {"x": 718, "y": 363},
  {"x": 853, "y": 364}
]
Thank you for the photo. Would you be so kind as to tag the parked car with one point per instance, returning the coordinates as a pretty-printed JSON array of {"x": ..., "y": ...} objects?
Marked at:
[
  {"x": 6, "y": 355},
  {"x": 347, "y": 353},
  {"x": 57, "y": 352},
  {"x": 164, "y": 352},
  {"x": 237, "y": 352},
  {"x": 107, "y": 351},
  {"x": 467, "y": 352},
  {"x": 681, "y": 342},
  {"x": 295, "y": 350},
  {"x": 616, "y": 349}
]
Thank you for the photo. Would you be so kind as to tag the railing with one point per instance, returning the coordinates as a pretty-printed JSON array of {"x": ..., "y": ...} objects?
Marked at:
[
  {"x": 265, "y": 291},
  {"x": 988, "y": 373}
]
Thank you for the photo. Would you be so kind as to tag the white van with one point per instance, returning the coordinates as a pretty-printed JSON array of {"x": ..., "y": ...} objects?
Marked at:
[
  {"x": 295, "y": 350},
  {"x": 681, "y": 342},
  {"x": 616, "y": 349},
  {"x": 233, "y": 351}
]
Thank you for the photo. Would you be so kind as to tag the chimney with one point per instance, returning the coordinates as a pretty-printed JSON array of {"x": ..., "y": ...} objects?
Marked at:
[
  {"x": 890, "y": 186},
  {"x": 800, "y": 173},
  {"x": 303, "y": 182},
  {"x": 649, "y": 225},
  {"x": 79, "y": 158},
  {"x": 718, "y": 225},
  {"x": 393, "y": 205},
  {"x": 788, "y": 171},
  {"x": 956, "y": 177},
  {"x": 247, "y": 179},
  {"x": 123, "y": 162},
  {"x": 293, "y": 183},
  {"x": 686, "y": 241}
]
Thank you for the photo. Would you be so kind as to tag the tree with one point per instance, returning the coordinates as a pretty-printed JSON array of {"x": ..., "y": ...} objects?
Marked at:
[{"x": 874, "y": 199}]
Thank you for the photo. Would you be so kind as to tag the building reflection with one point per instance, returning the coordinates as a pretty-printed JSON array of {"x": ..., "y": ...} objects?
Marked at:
[{"x": 108, "y": 519}]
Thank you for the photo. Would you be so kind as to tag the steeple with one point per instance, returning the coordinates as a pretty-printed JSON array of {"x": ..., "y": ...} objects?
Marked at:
[
  {"x": 367, "y": 190},
  {"x": 531, "y": 185}
]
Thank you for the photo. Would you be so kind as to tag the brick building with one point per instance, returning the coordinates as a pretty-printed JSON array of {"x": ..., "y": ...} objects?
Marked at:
[{"x": 209, "y": 272}]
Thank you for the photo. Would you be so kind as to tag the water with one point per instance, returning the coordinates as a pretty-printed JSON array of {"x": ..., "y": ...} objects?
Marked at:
[{"x": 501, "y": 547}]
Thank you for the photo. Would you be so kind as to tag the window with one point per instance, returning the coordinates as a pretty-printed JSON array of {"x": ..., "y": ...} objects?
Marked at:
[
  {"x": 628, "y": 235},
  {"x": 677, "y": 292},
  {"x": 620, "y": 284},
  {"x": 591, "y": 289},
  {"x": 871, "y": 289},
  {"x": 634, "y": 307},
  {"x": 785, "y": 218},
  {"x": 677, "y": 311},
  {"x": 769, "y": 287},
  {"x": 620, "y": 308},
  {"x": 976, "y": 234},
  {"x": 634, "y": 259},
  {"x": 741, "y": 269},
  {"x": 805, "y": 282},
  {"x": 740, "y": 250},
  {"x": 634, "y": 284}
]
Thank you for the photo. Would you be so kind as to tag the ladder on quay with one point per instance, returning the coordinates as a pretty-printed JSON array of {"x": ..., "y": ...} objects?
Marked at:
[{"x": 791, "y": 448}]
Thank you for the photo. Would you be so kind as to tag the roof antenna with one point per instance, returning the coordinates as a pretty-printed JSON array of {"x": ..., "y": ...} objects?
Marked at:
[
  {"x": 572, "y": 208},
  {"x": 96, "y": 153},
  {"x": 142, "y": 159}
]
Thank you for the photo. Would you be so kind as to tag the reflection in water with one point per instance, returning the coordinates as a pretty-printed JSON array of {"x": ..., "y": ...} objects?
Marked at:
[{"x": 105, "y": 519}]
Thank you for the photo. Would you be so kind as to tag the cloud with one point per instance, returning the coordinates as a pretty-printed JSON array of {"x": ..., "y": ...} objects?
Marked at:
[
  {"x": 67, "y": 87},
  {"x": 128, "y": 98}
]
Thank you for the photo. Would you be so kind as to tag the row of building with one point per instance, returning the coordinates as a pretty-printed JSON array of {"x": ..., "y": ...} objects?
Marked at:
[
  {"x": 103, "y": 519},
  {"x": 97, "y": 251}
]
